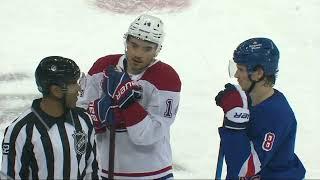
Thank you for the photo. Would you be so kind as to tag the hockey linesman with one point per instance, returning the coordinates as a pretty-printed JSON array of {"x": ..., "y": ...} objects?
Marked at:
[
  {"x": 141, "y": 95},
  {"x": 52, "y": 139},
  {"x": 258, "y": 133}
]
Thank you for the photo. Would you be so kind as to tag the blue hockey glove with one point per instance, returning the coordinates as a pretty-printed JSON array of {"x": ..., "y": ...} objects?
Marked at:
[
  {"x": 234, "y": 103},
  {"x": 103, "y": 114},
  {"x": 118, "y": 85}
]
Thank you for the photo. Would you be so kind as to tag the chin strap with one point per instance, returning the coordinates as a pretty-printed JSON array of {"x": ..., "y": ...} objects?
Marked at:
[
  {"x": 253, "y": 83},
  {"x": 62, "y": 100},
  {"x": 125, "y": 63}
]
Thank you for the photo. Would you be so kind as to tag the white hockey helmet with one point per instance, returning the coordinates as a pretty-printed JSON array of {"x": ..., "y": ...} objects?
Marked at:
[{"x": 148, "y": 28}]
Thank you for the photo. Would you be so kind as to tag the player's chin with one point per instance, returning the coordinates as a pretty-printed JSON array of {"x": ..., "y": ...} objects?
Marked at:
[
  {"x": 139, "y": 68},
  {"x": 243, "y": 87},
  {"x": 72, "y": 105}
]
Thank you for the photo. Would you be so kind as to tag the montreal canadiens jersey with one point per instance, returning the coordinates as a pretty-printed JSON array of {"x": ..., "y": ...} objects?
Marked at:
[
  {"x": 142, "y": 149},
  {"x": 266, "y": 149}
]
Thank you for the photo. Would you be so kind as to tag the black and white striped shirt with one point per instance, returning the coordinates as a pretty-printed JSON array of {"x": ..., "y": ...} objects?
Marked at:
[{"x": 38, "y": 146}]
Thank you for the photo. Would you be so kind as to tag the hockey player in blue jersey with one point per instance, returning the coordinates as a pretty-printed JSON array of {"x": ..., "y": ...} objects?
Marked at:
[{"x": 258, "y": 132}]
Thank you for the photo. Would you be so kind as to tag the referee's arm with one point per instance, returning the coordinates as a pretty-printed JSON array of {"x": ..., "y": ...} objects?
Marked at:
[{"x": 15, "y": 152}]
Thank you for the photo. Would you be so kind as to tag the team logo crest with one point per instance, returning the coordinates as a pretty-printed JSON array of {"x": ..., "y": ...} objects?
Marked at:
[
  {"x": 80, "y": 142},
  {"x": 53, "y": 68}
]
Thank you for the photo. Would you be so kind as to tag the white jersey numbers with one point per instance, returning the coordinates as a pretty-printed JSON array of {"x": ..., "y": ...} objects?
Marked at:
[{"x": 268, "y": 141}]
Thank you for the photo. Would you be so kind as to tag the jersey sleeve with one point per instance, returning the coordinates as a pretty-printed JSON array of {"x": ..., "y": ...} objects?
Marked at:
[
  {"x": 91, "y": 91},
  {"x": 14, "y": 152},
  {"x": 149, "y": 120},
  {"x": 92, "y": 87},
  {"x": 246, "y": 156}
]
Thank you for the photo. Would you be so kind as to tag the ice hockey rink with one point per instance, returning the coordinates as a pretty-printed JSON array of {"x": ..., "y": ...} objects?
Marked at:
[{"x": 200, "y": 38}]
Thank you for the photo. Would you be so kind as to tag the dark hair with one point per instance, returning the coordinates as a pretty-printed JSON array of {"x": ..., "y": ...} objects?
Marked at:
[{"x": 269, "y": 80}]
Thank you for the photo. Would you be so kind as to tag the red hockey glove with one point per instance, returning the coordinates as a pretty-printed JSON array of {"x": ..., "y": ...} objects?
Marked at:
[{"x": 234, "y": 103}]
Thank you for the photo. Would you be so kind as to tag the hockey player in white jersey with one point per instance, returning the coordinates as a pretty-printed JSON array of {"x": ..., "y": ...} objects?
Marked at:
[{"x": 140, "y": 94}]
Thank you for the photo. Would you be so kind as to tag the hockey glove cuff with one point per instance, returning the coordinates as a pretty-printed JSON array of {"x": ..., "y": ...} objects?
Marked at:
[
  {"x": 234, "y": 103},
  {"x": 237, "y": 118},
  {"x": 103, "y": 114}
]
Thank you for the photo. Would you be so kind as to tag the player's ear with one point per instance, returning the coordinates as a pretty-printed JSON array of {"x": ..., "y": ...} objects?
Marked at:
[
  {"x": 257, "y": 74},
  {"x": 260, "y": 72}
]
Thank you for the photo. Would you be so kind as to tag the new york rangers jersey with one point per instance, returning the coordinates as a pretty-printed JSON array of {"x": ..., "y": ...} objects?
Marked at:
[
  {"x": 142, "y": 149},
  {"x": 265, "y": 150}
]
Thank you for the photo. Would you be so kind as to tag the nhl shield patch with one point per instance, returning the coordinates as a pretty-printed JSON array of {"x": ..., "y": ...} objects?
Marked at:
[{"x": 80, "y": 142}]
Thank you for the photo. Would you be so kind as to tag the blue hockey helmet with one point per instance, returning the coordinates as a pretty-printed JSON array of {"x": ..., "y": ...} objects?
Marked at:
[
  {"x": 258, "y": 52},
  {"x": 56, "y": 70}
]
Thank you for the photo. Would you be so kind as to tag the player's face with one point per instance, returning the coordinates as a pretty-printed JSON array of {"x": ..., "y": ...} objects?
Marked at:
[
  {"x": 243, "y": 77},
  {"x": 140, "y": 54},
  {"x": 72, "y": 94}
]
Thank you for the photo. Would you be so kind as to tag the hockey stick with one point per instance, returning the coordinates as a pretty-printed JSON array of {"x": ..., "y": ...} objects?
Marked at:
[
  {"x": 219, "y": 163},
  {"x": 111, "y": 151}
]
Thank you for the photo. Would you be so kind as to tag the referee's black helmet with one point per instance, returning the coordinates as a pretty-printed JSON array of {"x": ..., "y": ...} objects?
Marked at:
[{"x": 56, "y": 70}]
